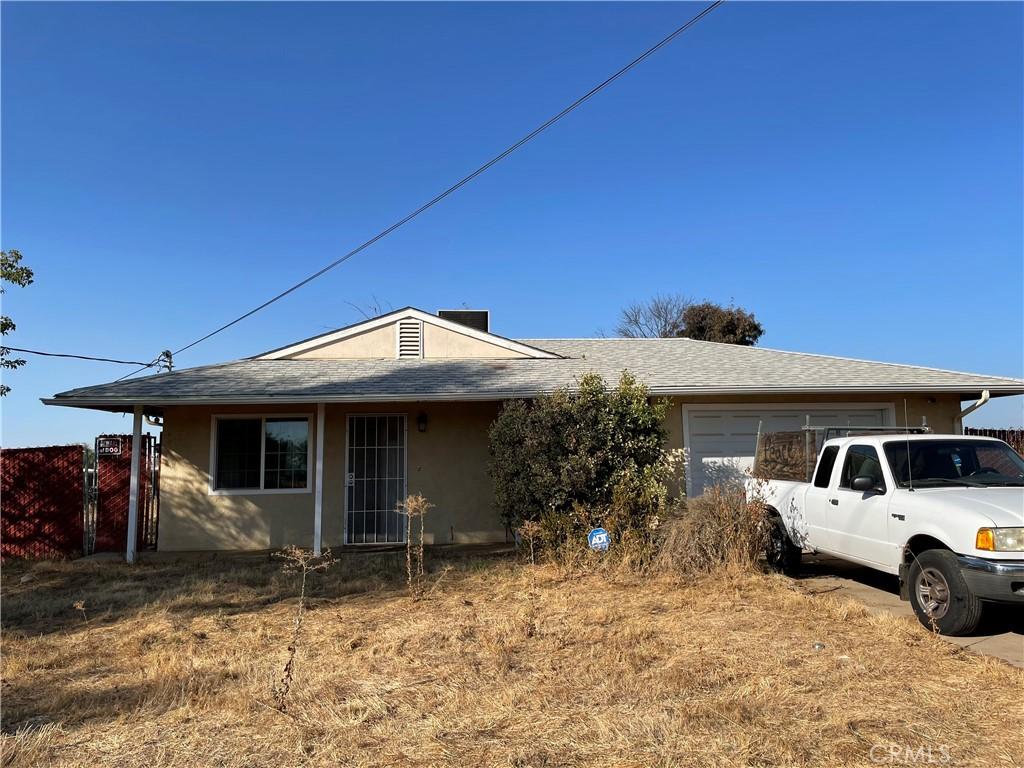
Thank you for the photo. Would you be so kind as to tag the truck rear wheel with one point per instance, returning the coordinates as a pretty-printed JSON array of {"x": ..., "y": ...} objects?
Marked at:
[
  {"x": 781, "y": 553},
  {"x": 939, "y": 595}
]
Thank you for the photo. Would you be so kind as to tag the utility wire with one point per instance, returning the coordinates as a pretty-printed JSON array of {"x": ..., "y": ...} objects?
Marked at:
[
  {"x": 455, "y": 187},
  {"x": 77, "y": 357}
]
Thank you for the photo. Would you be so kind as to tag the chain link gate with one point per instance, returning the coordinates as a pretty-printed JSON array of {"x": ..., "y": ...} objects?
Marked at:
[{"x": 107, "y": 489}]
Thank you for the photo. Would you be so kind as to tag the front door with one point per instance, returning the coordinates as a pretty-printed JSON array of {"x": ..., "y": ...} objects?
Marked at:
[{"x": 375, "y": 479}]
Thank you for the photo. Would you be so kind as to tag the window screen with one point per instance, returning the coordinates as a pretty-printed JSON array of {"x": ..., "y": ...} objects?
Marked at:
[
  {"x": 825, "y": 466},
  {"x": 861, "y": 460},
  {"x": 238, "y": 453},
  {"x": 287, "y": 453}
]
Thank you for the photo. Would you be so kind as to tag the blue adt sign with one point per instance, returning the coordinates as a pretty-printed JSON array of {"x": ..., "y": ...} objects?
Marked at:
[{"x": 598, "y": 539}]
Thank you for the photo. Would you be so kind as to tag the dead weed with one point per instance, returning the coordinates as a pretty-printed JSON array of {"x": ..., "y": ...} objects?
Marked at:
[{"x": 502, "y": 664}]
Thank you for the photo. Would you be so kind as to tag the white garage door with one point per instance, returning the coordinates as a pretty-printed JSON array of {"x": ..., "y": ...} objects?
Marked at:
[{"x": 721, "y": 442}]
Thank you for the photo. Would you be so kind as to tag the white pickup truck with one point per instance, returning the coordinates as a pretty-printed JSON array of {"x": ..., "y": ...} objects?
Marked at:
[{"x": 943, "y": 512}]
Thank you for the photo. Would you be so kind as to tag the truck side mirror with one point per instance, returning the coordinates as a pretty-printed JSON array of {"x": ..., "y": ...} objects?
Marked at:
[{"x": 863, "y": 483}]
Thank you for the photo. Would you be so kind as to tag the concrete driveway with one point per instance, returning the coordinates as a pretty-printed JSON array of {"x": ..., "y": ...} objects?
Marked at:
[{"x": 1000, "y": 634}]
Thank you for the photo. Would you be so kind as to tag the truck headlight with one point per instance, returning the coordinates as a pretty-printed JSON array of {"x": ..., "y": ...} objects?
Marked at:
[{"x": 1000, "y": 539}]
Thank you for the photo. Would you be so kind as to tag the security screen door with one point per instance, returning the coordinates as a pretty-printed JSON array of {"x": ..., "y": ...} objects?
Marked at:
[{"x": 375, "y": 479}]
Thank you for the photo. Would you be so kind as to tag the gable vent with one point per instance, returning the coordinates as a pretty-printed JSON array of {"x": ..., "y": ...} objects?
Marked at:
[{"x": 410, "y": 338}]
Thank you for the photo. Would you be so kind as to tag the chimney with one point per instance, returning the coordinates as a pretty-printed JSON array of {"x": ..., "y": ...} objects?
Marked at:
[{"x": 478, "y": 319}]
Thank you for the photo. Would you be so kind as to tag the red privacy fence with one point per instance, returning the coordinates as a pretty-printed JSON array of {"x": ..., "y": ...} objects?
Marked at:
[
  {"x": 60, "y": 502},
  {"x": 1015, "y": 437},
  {"x": 112, "y": 483},
  {"x": 42, "y": 493}
]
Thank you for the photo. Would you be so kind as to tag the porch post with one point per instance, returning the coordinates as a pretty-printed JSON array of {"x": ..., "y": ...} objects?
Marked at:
[
  {"x": 318, "y": 508},
  {"x": 133, "y": 488}
]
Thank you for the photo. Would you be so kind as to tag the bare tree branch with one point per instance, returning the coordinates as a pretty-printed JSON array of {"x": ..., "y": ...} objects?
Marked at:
[
  {"x": 374, "y": 308},
  {"x": 661, "y": 317}
]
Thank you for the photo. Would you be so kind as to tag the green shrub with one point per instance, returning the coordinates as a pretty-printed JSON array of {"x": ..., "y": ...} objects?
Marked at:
[{"x": 581, "y": 458}]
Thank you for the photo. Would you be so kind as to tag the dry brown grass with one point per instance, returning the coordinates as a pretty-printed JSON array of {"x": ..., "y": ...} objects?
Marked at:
[
  {"x": 500, "y": 665},
  {"x": 719, "y": 528}
]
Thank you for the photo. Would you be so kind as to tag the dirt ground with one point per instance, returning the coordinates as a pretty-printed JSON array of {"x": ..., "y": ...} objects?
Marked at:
[{"x": 500, "y": 664}]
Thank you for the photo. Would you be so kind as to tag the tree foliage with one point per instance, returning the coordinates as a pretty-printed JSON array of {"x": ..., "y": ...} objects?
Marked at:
[
  {"x": 11, "y": 271},
  {"x": 728, "y": 325},
  {"x": 673, "y": 316},
  {"x": 579, "y": 458}
]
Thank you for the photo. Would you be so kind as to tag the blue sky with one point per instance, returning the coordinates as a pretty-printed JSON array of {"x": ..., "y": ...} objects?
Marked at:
[{"x": 852, "y": 173}]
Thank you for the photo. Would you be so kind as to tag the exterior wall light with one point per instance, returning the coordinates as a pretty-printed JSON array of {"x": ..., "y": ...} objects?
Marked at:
[{"x": 421, "y": 422}]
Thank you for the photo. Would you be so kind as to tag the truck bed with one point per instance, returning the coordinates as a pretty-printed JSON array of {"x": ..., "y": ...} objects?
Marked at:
[{"x": 787, "y": 498}]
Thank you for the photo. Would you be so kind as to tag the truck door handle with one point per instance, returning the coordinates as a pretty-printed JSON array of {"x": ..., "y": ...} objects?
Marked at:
[{"x": 834, "y": 502}]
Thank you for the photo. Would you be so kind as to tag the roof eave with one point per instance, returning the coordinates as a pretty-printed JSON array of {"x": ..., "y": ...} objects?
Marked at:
[{"x": 118, "y": 403}]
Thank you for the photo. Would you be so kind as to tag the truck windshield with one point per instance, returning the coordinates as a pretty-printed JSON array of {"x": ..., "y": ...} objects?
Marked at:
[{"x": 954, "y": 462}]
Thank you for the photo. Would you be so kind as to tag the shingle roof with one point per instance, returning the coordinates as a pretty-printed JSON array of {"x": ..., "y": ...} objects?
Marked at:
[{"x": 667, "y": 366}]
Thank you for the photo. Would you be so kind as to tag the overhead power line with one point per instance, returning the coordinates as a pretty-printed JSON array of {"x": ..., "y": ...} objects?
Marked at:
[
  {"x": 454, "y": 187},
  {"x": 78, "y": 357}
]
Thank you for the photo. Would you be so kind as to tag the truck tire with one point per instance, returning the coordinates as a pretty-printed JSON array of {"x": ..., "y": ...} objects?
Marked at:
[
  {"x": 939, "y": 595},
  {"x": 782, "y": 554}
]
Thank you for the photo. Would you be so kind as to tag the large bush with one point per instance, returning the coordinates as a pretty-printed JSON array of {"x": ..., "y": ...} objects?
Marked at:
[
  {"x": 721, "y": 528},
  {"x": 582, "y": 457}
]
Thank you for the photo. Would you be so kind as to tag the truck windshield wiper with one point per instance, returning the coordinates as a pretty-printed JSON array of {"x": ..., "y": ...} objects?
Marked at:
[{"x": 950, "y": 481}]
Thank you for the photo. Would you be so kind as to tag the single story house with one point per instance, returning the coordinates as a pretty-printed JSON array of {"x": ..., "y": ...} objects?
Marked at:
[{"x": 315, "y": 442}]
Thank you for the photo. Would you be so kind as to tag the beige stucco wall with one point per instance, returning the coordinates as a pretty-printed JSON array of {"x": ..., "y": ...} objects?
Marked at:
[
  {"x": 442, "y": 343},
  {"x": 192, "y": 518},
  {"x": 376, "y": 343},
  {"x": 447, "y": 463},
  {"x": 380, "y": 343}
]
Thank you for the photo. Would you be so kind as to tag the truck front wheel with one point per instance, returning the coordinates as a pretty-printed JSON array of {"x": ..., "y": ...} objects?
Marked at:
[{"x": 939, "y": 595}]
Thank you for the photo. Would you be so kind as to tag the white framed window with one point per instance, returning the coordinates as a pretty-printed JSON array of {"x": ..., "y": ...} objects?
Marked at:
[{"x": 253, "y": 454}]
